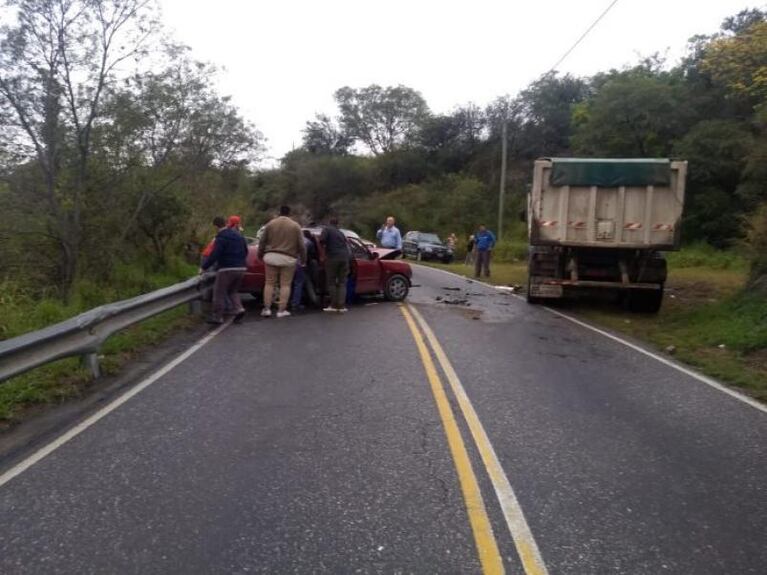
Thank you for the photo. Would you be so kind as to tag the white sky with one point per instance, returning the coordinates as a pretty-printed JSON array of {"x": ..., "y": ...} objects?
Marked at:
[{"x": 283, "y": 59}]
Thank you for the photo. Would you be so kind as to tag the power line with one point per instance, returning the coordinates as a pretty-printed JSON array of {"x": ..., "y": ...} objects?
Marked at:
[{"x": 586, "y": 33}]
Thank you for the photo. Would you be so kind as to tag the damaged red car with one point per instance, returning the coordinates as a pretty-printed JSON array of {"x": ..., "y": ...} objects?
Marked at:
[{"x": 375, "y": 271}]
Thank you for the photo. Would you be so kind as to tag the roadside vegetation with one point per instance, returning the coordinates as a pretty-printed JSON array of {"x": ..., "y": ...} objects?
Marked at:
[
  {"x": 710, "y": 319},
  {"x": 64, "y": 379}
]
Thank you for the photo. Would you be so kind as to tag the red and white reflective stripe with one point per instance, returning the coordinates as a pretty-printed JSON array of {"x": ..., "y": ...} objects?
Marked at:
[
  {"x": 663, "y": 227},
  {"x": 577, "y": 224},
  {"x": 633, "y": 226},
  {"x": 547, "y": 223}
]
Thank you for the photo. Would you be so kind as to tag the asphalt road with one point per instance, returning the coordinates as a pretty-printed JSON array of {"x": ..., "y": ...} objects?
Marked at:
[{"x": 315, "y": 444}]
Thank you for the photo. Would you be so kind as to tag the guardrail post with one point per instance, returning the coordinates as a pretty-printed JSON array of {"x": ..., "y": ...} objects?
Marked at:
[
  {"x": 195, "y": 307},
  {"x": 91, "y": 361}
]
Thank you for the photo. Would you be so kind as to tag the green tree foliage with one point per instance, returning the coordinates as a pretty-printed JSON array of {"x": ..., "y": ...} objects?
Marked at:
[
  {"x": 717, "y": 152},
  {"x": 56, "y": 65},
  {"x": 382, "y": 119},
  {"x": 99, "y": 166},
  {"x": 546, "y": 108},
  {"x": 323, "y": 136},
  {"x": 632, "y": 114},
  {"x": 739, "y": 61}
]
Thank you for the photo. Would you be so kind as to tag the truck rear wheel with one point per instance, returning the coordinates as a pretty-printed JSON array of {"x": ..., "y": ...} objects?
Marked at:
[{"x": 645, "y": 301}]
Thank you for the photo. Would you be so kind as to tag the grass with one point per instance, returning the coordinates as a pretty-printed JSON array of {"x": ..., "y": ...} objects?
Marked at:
[
  {"x": 21, "y": 312},
  {"x": 707, "y": 320},
  {"x": 514, "y": 273}
]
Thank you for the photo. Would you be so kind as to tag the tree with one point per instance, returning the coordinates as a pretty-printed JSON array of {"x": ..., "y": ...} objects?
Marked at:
[
  {"x": 545, "y": 110},
  {"x": 633, "y": 114},
  {"x": 452, "y": 139},
  {"x": 382, "y": 119},
  {"x": 739, "y": 62},
  {"x": 323, "y": 136},
  {"x": 717, "y": 152},
  {"x": 56, "y": 64},
  {"x": 161, "y": 131}
]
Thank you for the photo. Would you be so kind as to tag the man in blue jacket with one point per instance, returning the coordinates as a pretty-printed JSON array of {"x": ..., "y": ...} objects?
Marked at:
[
  {"x": 230, "y": 252},
  {"x": 484, "y": 242}
]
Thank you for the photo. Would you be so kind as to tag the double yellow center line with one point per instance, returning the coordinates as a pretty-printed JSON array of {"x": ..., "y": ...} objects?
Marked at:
[{"x": 489, "y": 555}]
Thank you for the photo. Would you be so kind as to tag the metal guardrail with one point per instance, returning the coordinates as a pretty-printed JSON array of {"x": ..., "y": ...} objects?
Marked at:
[{"x": 84, "y": 334}]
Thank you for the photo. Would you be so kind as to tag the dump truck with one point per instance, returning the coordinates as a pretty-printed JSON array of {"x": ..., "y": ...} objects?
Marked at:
[{"x": 602, "y": 225}]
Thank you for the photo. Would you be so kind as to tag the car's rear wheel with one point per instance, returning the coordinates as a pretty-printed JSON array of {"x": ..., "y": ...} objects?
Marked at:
[{"x": 397, "y": 287}]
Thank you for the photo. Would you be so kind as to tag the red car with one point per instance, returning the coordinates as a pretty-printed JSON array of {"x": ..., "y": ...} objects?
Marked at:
[{"x": 375, "y": 271}]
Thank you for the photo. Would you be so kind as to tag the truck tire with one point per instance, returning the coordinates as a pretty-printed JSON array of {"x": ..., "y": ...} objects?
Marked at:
[
  {"x": 641, "y": 301},
  {"x": 396, "y": 288}
]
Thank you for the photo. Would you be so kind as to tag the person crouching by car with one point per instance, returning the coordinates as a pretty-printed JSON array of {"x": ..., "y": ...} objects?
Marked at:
[
  {"x": 337, "y": 256},
  {"x": 230, "y": 251},
  {"x": 280, "y": 247}
]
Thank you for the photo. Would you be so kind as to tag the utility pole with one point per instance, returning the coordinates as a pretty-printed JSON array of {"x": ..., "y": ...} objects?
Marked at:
[{"x": 502, "y": 191}]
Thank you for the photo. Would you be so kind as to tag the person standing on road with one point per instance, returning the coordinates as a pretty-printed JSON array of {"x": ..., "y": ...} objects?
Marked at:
[
  {"x": 230, "y": 250},
  {"x": 219, "y": 223},
  {"x": 337, "y": 256},
  {"x": 281, "y": 247},
  {"x": 470, "y": 251},
  {"x": 389, "y": 235},
  {"x": 484, "y": 243}
]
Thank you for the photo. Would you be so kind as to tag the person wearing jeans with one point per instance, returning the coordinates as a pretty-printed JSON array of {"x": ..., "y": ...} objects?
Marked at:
[
  {"x": 281, "y": 246},
  {"x": 484, "y": 242}
]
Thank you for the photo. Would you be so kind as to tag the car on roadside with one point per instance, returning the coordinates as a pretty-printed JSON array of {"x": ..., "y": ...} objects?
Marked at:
[
  {"x": 376, "y": 271},
  {"x": 425, "y": 246}
]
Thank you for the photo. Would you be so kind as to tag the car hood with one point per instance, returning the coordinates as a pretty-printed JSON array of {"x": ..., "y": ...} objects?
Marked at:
[
  {"x": 386, "y": 253},
  {"x": 432, "y": 246}
]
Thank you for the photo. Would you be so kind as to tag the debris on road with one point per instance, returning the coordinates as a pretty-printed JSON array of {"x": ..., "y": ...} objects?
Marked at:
[
  {"x": 453, "y": 301},
  {"x": 451, "y": 288}
]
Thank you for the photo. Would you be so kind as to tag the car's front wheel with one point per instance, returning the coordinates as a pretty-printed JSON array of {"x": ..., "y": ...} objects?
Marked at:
[{"x": 397, "y": 287}]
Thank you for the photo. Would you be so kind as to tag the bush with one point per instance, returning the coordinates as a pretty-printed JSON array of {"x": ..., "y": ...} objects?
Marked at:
[
  {"x": 703, "y": 255},
  {"x": 510, "y": 251}
]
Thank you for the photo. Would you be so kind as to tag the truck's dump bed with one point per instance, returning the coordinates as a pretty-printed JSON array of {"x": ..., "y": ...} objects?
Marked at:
[{"x": 622, "y": 203}]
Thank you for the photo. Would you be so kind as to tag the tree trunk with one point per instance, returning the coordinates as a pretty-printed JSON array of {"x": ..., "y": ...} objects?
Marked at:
[{"x": 69, "y": 267}]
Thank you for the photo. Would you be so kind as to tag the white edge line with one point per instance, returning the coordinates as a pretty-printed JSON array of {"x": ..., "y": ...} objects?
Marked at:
[
  {"x": 512, "y": 510},
  {"x": 43, "y": 452},
  {"x": 687, "y": 371}
]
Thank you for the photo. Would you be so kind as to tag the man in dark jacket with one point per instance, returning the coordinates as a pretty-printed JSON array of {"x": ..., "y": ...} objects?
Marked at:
[
  {"x": 336, "y": 265},
  {"x": 229, "y": 252}
]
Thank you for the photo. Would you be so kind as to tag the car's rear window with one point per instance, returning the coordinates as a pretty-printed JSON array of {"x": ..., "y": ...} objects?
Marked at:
[{"x": 433, "y": 238}]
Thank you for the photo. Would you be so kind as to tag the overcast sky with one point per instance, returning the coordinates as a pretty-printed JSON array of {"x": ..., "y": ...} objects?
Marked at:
[{"x": 283, "y": 59}]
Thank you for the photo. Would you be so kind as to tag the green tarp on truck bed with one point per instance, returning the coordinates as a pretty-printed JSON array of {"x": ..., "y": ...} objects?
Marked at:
[{"x": 610, "y": 173}]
